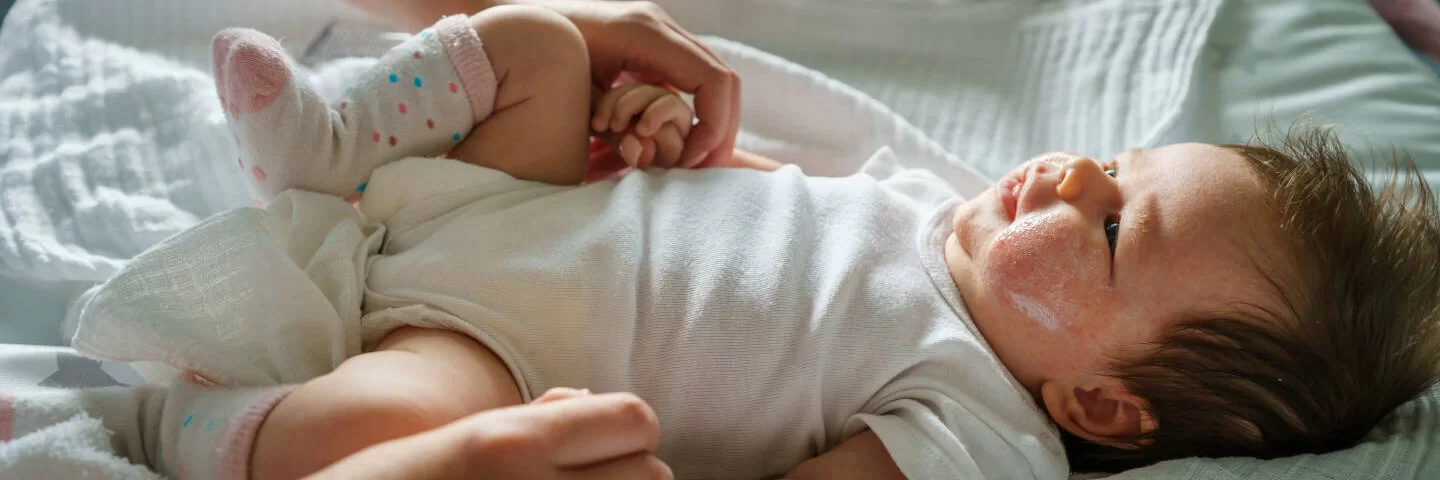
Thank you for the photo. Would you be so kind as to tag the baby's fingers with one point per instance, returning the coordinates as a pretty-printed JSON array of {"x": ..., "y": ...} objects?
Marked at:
[
  {"x": 668, "y": 144},
  {"x": 668, "y": 109},
  {"x": 605, "y": 106},
  {"x": 632, "y": 103}
]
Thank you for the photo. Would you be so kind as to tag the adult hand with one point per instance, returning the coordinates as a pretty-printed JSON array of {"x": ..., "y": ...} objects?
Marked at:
[
  {"x": 565, "y": 434},
  {"x": 640, "y": 38}
]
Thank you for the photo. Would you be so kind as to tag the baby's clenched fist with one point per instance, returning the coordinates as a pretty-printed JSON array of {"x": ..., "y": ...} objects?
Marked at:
[{"x": 647, "y": 124}]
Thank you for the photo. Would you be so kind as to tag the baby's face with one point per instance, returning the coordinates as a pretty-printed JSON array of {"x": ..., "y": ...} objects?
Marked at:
[{"x": 1068, "y": 259}]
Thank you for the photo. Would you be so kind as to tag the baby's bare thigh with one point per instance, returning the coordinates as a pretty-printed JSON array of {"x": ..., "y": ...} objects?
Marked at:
[{"x": 539, "y": 129}]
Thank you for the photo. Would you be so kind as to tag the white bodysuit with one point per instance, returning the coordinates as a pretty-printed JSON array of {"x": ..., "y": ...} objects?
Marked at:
[{"x": 766, "y": 317}]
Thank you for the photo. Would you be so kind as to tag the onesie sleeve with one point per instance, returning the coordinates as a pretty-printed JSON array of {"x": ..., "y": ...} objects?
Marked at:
[{"x": 930, "y": 435}]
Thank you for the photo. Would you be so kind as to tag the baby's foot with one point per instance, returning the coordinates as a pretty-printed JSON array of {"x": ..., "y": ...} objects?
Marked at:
[{"x": 419, "y": 99}]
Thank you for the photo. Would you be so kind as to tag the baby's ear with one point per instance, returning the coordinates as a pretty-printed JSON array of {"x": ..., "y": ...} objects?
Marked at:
[{"x": 1098, "y": 409}]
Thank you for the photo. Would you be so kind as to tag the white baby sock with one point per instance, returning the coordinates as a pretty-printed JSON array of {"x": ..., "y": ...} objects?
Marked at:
[
  {"x": 420, "y": 99},
  {"x": 186, "y": 431}
]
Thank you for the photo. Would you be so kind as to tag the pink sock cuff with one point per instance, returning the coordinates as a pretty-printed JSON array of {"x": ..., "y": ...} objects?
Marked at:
[
  {"x": 239, "y": 439},
  {"x": 466, "y": 52}
]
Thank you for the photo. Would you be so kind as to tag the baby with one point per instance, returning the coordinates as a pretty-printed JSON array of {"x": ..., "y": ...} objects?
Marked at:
[{"x": 1169, "y": 302}]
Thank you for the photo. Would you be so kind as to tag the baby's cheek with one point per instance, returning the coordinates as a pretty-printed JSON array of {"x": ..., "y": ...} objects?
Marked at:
[{"x": 1041, "y": 272}]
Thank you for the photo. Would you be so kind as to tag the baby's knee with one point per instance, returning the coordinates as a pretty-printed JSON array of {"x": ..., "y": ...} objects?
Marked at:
[{"x": 528, "y": 38}]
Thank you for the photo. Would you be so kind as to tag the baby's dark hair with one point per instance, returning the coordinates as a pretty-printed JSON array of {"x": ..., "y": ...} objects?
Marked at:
[{"x": 1361, "y": 288}]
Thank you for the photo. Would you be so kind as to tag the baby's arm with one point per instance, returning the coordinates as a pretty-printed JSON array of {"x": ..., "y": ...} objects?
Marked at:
[
  {"x": 861, "y": 457},
  {"x": 538, "y": 130}
]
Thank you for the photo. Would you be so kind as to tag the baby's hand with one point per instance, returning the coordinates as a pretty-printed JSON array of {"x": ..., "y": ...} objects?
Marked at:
[{"x": 656, "y": 137}]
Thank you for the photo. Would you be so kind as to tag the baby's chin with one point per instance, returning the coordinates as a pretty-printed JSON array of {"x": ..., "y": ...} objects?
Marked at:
[{"x": 974, "y": 219}]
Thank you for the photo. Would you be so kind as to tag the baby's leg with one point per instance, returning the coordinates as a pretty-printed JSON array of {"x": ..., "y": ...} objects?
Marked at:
[
  {"x": 416, "y": 380},
  {"x": 540, "y": 128},
  {"x": 419, "y": 99}
]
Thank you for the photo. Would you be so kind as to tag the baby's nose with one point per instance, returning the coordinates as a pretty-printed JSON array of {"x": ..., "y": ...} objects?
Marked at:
[{"x": 1077, "y": 176}]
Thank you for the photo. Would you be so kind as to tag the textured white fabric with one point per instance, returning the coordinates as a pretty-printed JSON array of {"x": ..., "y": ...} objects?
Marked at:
[
  {"x": 995, "y": 82},
  {"x": 186, "y": 431},
  {"x": 76, "y": 447},
  {"x": 246, "y": 298}
]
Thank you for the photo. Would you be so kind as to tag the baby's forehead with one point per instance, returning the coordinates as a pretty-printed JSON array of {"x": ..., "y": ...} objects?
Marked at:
[
  {"x": 1218, "y": 247},
  {"x": 1247, "y": 268}
]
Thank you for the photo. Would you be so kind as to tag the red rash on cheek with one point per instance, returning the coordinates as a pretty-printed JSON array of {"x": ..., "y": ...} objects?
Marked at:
[{"x": 1044, "y": 271}]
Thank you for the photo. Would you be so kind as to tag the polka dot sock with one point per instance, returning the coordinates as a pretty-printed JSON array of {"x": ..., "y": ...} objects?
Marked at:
[
  {"x": 420, "y": 99},
  {"x": 185, "y": 431}
]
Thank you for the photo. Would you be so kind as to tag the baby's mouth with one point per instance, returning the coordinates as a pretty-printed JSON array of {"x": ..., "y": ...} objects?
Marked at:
[{"x": 1009, "y": 190}]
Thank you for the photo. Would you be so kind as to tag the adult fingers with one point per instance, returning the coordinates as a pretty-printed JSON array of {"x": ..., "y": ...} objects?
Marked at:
[
  {"x": 587, "y": 430},
  {"x": 560, "y": 393},
  {"x": 634, "y": 467},
  {"x": 668, "y": 109},
  {"x": 717, "y": 106},
  {"x": 432, "y": 455},
  {"x": 632, "y": 103},
  {"x": 728, "y": 127},
  {"x": 521, "y": 442}
]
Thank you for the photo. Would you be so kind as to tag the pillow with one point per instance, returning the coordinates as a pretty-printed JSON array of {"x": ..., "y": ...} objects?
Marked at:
[
  {"x": 1403, "y": 445},
  {"x": 1334, "y": 59}
]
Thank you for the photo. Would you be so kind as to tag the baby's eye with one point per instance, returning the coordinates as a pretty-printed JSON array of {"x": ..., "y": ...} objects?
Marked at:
[
  {"x": 1112, "y": 232},
  {"x": 1111, "y": 224}
]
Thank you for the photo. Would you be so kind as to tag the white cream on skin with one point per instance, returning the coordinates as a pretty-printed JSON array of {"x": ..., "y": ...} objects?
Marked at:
[{"x": 1035, "y": 310}]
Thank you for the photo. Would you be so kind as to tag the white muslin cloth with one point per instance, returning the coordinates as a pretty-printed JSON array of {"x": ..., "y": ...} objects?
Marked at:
[{"x": 766, "y": 317}]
